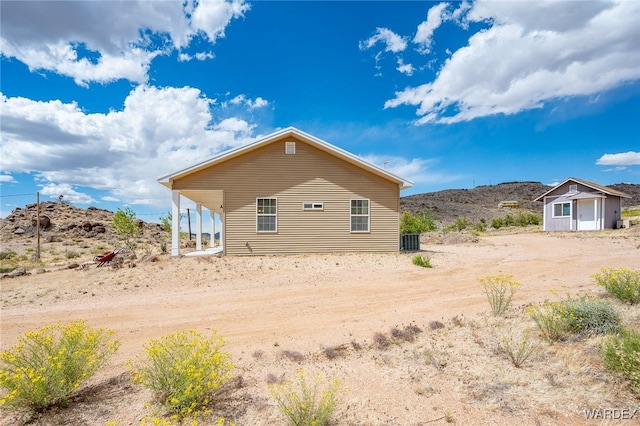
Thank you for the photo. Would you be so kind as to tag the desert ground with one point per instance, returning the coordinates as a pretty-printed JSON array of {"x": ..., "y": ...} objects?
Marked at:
[{"x": 321, "y": 313}]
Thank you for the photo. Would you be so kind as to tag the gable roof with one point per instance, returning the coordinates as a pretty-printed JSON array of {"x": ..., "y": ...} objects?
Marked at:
[
  {"x": 604, "y": 189},
  {"x": 278, "y": 135}
]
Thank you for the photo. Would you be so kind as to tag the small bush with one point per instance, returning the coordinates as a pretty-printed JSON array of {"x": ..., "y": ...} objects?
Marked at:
[
  {"x": 559, "y": 320},
  {"x": 305, "y": 402},
  {"x": 381, "y": 341},
  {"x": 621, "y": 352},
  {"x": 184, "y": 370},
  {"x": 46, "y": 366},
  {"x": 417, "y": 223},
  {"x": 521, "y": 219},
  {"x": 519, "y": 351},
  {"x": 7, "y": 254},
  {"x": 499, "y": 290},
  {"x": 622, "y": 283},
  {"x": 70, "y": 254},
  {"x": 420, "y": 260}
]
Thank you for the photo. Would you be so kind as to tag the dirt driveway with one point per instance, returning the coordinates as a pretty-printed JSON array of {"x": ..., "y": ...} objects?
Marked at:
[{"x": 308, "y": 302}]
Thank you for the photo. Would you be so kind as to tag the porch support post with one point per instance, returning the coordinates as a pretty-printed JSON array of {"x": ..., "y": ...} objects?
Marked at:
[
  {"x": 212, "y": 225},
  {"x": 198, "y": 227},
  {"x": 175, "y": 223}
]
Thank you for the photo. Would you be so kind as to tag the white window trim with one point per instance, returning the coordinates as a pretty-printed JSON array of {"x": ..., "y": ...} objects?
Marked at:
[
  {"x": 312, "y": 205},
  {"x": 264, "y": 215},
  {"x": 290, "y": 148},
  {"x": 553, "y": 210},
  {"x": 368, "y": 216}
]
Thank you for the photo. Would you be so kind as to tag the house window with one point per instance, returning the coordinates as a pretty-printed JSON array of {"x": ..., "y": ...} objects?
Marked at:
[
  {"x": 266, "y": 214},
  {"x": 312, "y": 206},
  {"x": 573, "y": 188},
  {"x": 289, "y": 147},
  {"x": 359, "y": 215},
  {"x": 562, "y": 210}
]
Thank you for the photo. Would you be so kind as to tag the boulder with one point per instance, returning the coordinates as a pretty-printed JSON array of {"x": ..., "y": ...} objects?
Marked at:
[
  {"x": 87, "y": 226},
  {"x": 19, "y": 231},
  {"x": 99, "y": 229}
]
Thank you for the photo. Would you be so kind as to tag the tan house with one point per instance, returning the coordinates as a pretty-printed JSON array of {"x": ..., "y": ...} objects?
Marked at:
[{"x": 291, "y": 192}]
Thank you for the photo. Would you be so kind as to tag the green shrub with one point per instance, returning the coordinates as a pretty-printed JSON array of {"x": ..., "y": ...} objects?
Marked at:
[
  {"x": 70, "y": 254},
  {"x": 46, "y": 366},
  {"x": 423, "y": 261},
  {"x": 561, "y": 319},
  {"x": 519, "y": 351},
  {"x": 7, "y": 254},
  {"x": 124, "y": 223},
  {"x": 417, "y": 223},
  {"x": 621, "y": 352},
  {"x": 499, "y": 290},
  {"x": 184, "y": 370},
  {"x": 622, "y": 283},
  {"x": 521, "y": 219},
  {"x": 304, "y": 403}
]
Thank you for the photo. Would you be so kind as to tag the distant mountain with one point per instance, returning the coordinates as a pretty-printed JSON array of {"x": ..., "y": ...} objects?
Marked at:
[{"x": 482, "y": 202}]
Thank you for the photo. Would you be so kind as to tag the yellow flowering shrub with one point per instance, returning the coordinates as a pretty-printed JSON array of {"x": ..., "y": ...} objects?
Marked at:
[
  {"x": 305, "y": 403},
  {"x": 499, "y": 290},
  {"x": 184, "y": 370},
  {"x": 623, "y": 283},
  {"x": 46, "y": 366},
  {"x": 562, "y": 319}
]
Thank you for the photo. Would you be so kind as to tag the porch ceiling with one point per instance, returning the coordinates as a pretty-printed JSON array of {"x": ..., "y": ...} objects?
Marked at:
[{"x": 210, "y": 199}]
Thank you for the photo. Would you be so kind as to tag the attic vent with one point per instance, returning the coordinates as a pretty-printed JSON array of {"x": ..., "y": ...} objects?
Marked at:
[
  {"x": 573, "y": 188},
  {"x": 289, "y": 147}
]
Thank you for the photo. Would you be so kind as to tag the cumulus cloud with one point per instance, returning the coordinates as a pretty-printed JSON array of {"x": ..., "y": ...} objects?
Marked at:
[
  {"x": 65, "y": 192},
  {"x": 103, "y": 41},
  {"x": 531, "y": 53},
  {"x": 407, "y": 69},
  {"x": 249, "y": 103},
  {"x": 630, "y": 158},
  {"x": 392, "y": 41},
  {"x": 122, "y": 151},
  {"x": 6, "y": 178}
]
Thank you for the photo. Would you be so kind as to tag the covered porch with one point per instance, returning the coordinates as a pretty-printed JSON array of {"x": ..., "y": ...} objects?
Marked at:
[{"x": 211, "y": 200}]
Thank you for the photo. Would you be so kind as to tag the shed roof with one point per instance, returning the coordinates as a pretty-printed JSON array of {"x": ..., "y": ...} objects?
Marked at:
[
  {"x": 167, "y": 180},
  {"x": 601, "y": 188}
]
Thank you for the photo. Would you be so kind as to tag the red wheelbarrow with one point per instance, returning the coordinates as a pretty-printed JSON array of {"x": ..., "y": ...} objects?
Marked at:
[{"x": 106, "y": 258}]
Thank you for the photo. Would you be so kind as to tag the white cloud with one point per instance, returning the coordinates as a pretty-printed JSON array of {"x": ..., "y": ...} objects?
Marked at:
[
  {"x": 630, "y": 158},
  {"x": 417, "y": 170},
  {"x": 251, "y": 104},
  {"x": 121, "y": 152},
  {"x": 103, "y": 41},
  {"x": 407, "y": 69},
  {"x": 532, "y": 53},
  {"x": 6, "y": 178},
  {"x": 424, "y": 33},
  {"x": 392, "y": 41},
  {"x": 67, "y": 192}
]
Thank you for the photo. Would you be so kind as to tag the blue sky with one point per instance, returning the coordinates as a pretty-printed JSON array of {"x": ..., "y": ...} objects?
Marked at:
[{"x": 100, "y": 98}]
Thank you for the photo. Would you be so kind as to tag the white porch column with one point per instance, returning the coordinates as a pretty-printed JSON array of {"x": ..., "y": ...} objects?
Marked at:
[
  {"x": 198, "y": 227},
  {"x": 175, "y": 223},
  {"x": 222, "y": 230},
  {"x": 212, "y": 226}
]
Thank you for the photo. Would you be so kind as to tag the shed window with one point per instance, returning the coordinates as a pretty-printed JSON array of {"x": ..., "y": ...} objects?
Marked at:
[
  {"x": 562, "y": 210},
  {"x": 266, "y": 214},
  {"x": 359, "y": 215}
]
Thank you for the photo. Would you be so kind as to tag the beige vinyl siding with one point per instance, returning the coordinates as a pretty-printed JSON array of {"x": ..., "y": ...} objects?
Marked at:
[{"x": 309, "y": 175}]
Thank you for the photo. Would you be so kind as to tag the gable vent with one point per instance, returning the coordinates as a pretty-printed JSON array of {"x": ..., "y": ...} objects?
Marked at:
[{"x": 289, "y": 147}]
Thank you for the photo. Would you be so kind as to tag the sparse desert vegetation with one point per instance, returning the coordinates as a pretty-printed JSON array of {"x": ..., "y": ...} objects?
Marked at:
[{"x": 407, "y": 345}]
